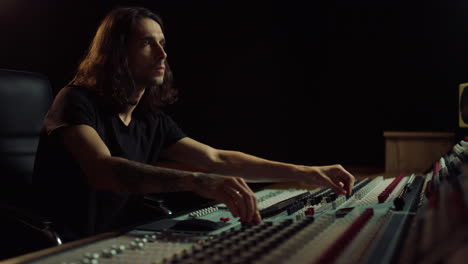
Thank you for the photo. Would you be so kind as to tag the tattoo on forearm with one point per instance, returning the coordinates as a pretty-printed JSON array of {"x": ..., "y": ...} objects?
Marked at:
[{"x": 139, "y": 177}]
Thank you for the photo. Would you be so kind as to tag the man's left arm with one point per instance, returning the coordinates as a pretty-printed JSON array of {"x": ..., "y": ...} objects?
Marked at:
[{"x": 251, "y": 168}]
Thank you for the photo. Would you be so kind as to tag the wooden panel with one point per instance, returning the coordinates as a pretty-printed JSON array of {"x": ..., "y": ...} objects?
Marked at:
[{"x": 415, "y": 152}]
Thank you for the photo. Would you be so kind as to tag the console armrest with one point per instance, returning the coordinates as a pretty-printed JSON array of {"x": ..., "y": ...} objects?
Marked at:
[
  {"x": 157, "y": 204},
  {"x": 33, "y": 221}
]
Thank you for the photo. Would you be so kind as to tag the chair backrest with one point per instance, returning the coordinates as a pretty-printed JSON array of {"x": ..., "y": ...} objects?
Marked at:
[{"x": 24, "y": 100}]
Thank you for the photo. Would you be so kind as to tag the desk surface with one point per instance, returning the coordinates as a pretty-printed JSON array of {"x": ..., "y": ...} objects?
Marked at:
[
  {"x": 418, "y": 135},
  {"x": 37, "y": 254}
]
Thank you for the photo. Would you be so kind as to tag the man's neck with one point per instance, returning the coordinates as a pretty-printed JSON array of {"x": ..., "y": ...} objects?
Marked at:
[{"x": 126, "y": 116}]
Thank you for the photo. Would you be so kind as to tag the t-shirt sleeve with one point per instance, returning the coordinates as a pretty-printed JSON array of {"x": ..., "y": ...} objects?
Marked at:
[
  {"x": 72, "y": 106},
  {"x": 173, "y": 132}
]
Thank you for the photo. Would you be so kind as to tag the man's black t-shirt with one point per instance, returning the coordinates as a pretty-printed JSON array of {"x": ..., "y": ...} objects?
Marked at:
[{"x": 76, "y": 209}]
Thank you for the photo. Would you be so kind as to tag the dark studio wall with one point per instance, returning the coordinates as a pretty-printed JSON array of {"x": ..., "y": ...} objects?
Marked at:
[{"x": 313, "y": 83}]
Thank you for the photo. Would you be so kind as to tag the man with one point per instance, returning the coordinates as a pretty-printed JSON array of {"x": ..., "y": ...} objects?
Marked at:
[{"x": 105, "y": 131}]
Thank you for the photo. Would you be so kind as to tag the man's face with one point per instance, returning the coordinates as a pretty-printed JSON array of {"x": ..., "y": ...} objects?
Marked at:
[{"x": 146, "y": 55}]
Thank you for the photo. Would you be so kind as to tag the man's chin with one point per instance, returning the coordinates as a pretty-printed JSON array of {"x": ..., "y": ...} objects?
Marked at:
[
  {"x": 151, "y": 82},
  {"x": 156, "y": 81}
]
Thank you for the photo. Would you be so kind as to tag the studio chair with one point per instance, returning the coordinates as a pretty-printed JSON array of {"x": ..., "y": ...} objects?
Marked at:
[{"x": 24, "y": 100}]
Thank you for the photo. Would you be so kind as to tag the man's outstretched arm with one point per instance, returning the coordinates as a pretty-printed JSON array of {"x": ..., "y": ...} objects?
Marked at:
[{"x": 251, "y": 168}]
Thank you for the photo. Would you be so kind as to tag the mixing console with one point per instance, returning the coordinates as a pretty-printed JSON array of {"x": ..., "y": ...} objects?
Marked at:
[{"x": 406, "y": 219}]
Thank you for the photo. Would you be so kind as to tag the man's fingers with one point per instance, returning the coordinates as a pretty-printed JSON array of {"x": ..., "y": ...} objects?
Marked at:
[
  {"x": 335, "y": 186},
  {"x": 232, "y": 208},
  {"x": 237, "y": 199},
  {"x": 243, "y": 197},
  {"x": 337, "y": 189},
  {"x": 257, "y": 217},
  {"x": 340, "y": 177},
  {"x": 351, "y": 184},
  {"x": 234, "y": 192},
  {"x": 241, "y": 200},
  {"x": 249, "y": 200},
  {"x": 234, "y": 198},
  {"x": 347, "y": 179}
]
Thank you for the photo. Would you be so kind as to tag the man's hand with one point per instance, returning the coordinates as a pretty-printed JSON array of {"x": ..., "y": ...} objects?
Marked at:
[
  {"x": 232, "y": 191},
  {"x": 334, "y": 176}
]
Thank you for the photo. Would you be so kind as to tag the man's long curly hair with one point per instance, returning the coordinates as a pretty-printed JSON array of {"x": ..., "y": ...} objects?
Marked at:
[{"x": 105, "y": 70}]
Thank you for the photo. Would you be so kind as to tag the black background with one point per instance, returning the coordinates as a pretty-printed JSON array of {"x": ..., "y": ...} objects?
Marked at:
[{"x": 311, "y": 82}]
